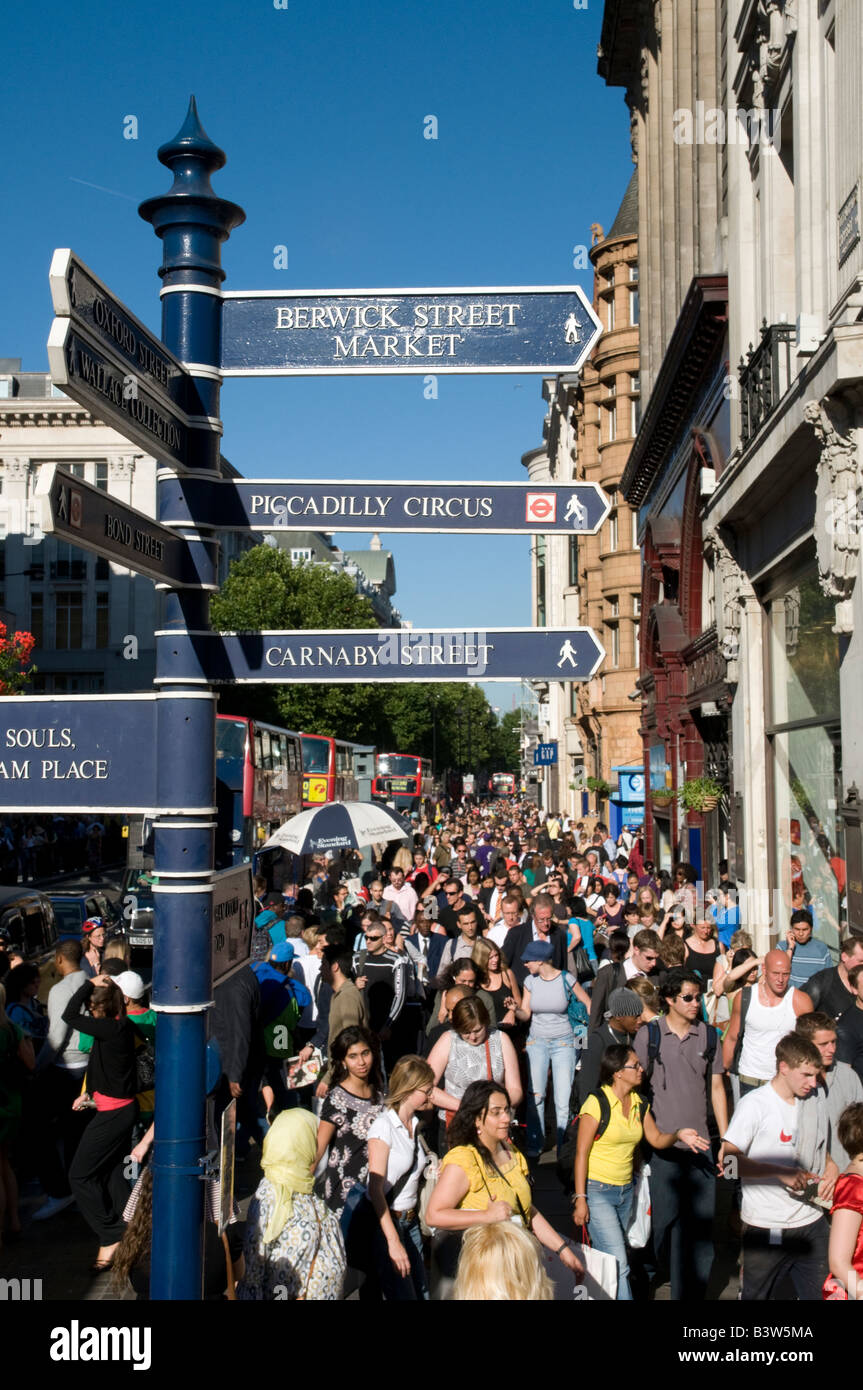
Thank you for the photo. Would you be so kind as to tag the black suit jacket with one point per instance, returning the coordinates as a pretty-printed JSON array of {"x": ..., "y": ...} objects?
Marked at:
[
  {"x": 436, "y": 944},
  {"x": 518, "y": 937}
]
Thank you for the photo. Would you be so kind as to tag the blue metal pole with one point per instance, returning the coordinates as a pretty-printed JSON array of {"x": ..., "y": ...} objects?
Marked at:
[{"x": 192, "y": 222}]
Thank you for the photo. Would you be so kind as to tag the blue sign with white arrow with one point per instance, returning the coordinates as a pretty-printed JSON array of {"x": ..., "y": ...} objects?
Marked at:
[
  {"x": 284, "y": 504},
  {"x": 516, "y": 329},
  {"x": 379, "y": 654}
]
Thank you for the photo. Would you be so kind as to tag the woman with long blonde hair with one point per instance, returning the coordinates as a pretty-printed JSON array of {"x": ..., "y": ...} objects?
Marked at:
[
  {"x": 396, "y": 1163},
  {"x": 501, "y": 1264}
]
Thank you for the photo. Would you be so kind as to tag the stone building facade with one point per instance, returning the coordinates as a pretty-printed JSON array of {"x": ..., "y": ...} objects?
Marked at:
[
  {"x": 595, "y": 580},
  {"x": 753, "y": 290}
]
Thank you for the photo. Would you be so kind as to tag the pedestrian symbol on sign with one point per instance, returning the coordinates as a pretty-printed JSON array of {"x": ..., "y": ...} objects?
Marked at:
[
  {"x": 570, "y": 329},
  {"x": 575, "y": 511},
  {"x": 567, "y": 653}
]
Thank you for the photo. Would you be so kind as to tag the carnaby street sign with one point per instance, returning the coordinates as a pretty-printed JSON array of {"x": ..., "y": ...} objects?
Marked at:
[
  {"x": 517, "y": 329},
  {"x": 80, "y": 295},
  {"x": 78, "y": 753},
  {"x": 390, "y": 655},
  {"x": 491, "y": 508},
  {"x": 100, "y": 378},
  {"x": 84, "y": 515}
]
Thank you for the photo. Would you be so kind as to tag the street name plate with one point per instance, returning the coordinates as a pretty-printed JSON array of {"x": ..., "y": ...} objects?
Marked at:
[
  {"x": 517, "y": 329},
  {"x": 78, "y": 753},
  {"x": 374, "y": 655},
  {"x": 87, "y": 516},
  {"x": 102, "y": 380},
  {"x": 488, "y": 508},
  {"x": 80, "y": 295}
]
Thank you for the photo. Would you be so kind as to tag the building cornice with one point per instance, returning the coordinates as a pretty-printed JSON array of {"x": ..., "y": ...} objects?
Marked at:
[{"x": 688, "y": 361}]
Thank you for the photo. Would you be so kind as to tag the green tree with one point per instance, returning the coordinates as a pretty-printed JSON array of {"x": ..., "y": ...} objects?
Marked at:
[{"x": 266, "y": 589}]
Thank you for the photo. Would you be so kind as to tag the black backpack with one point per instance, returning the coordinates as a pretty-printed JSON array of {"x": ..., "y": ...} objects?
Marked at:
[{"x": 566, "y": 1158}]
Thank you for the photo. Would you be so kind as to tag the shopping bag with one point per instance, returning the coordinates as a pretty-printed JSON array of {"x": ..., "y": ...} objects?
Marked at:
[
  {"x": 638, "y": 1233},
  {"x": 600, "y": 1274}
]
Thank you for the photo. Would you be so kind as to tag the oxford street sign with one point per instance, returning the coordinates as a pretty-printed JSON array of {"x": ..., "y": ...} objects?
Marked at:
[
  {"x": 469, "y": 507},
  {"x": 104, "y": 358},
  {"x": 547, "y": 329},
  {"x": 379, "y": 655},
  {"x": 86, "y": 516}
]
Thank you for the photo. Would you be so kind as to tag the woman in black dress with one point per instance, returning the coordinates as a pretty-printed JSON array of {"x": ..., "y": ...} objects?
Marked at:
[
  {"x": 96, "y": 1175},
  {"x": 354, "y": 1100},
  {"x": 703, "y": 951}
]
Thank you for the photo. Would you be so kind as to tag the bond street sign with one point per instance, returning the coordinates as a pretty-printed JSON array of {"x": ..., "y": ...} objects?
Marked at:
[
  {"x": 80, "y": 295},
  {"x": 101, "y": 378},
  {"x": 517, "y": 329},
  {"x": 84, "y": 515},
  {"x": 492, "y": 508},
  {"x": 78, "y": 753},
  {"x": 399, "y": 654}
]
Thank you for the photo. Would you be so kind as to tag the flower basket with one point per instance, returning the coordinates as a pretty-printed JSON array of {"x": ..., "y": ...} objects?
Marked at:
[{"x": 662, "y": 798}]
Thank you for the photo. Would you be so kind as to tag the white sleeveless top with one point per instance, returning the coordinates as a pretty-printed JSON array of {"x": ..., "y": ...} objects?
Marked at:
[{"x": 764, "y": 1028}]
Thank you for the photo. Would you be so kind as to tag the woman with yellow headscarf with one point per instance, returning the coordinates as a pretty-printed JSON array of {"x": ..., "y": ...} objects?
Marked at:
[{"x": 293, "y": 1244}]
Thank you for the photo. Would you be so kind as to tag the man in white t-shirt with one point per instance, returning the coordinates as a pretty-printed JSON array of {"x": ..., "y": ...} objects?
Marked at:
[{"x": 784, "y": 1234}]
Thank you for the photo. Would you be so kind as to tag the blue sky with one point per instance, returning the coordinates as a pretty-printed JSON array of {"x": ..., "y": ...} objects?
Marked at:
[{"x": 320, "y": 109}]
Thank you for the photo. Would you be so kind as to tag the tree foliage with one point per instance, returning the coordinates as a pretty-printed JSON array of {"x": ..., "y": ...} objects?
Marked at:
[{"x": 449, "y": 722}]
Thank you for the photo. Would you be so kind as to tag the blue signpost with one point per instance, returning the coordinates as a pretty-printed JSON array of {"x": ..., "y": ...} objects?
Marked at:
[
  {"x": 516, "y": 329},
  {"x": 472, "y": 508},
  {"x": 192, "y": 222},
  {"x": 164, "y": 395}
]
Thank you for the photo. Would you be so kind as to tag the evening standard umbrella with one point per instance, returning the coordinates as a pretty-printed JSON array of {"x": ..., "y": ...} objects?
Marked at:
[{"x": 339, "y": 825}]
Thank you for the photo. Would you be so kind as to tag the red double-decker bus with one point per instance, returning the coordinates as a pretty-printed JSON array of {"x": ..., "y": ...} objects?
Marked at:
[
  {"x": 503, "y": 784},
  {"x": 404, "y": 779},
  {"x": 329, "y": 769},
  {"x": 258, "y": 783}
]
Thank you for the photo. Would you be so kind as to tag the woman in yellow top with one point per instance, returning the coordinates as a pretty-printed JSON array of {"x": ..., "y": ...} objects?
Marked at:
[
  {"x": 604, "y": 1189},
  {"x": 485, "y": 1179}
]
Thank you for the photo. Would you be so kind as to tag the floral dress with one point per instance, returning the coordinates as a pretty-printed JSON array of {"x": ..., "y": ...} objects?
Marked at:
[
  {"x": 348, "y": 1155},
  {"x": 306, "y": 1260}
]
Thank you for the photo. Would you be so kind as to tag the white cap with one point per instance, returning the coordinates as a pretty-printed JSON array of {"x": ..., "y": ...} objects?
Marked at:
[{"x": 131, "y": 984}]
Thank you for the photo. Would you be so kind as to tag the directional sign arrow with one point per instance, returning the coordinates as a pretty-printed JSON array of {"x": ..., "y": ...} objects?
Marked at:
[
  {"x": 80, "y": 295},
  {"x": 274, "y": 505},
  {"x": 89, "y": 517},
  {"x": 399, "y": 654},
  {"x": 531, "y": 328}
]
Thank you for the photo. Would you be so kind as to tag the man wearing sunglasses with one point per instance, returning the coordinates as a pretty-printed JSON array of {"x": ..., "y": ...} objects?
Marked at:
[
  {"x": 682, "y": 1063},
  {"x": 382, "y": 976}
]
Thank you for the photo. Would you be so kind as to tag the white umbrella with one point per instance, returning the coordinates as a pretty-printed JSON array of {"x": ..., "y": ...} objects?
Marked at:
[{"x": 338, "y": 825}]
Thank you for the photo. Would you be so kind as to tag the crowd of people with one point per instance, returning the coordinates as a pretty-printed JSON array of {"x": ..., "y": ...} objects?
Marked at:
[{"x": 407, "y": 1043}]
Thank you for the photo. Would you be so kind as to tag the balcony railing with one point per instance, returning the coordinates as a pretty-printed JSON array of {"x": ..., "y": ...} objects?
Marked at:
[{"x": 764, "y": 377}]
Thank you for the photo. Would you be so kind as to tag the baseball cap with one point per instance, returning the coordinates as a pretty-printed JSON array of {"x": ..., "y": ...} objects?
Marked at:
[
  {"x": 539, "y": 950},
  {"x": 131, "y": 984},
  {"x": 282, "y": 954},
  {"x": 274, "y": 900}
]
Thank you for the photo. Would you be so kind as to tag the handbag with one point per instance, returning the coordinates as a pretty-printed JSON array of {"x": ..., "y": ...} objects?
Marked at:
[
  {"x": 145, "y": 1066},
  {"x": 638, "y": 1231},
  {"x": 600, "y": 1273},
  {"x": 575, "y": 1011},
  {"x": 429, "y": 1178}
]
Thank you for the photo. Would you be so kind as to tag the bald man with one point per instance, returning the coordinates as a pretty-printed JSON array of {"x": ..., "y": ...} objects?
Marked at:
[{"x": 762, "y": 1014}]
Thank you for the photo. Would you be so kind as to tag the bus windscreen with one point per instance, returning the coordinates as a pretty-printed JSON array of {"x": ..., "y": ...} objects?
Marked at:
[{"x": 316, "y": 755}]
